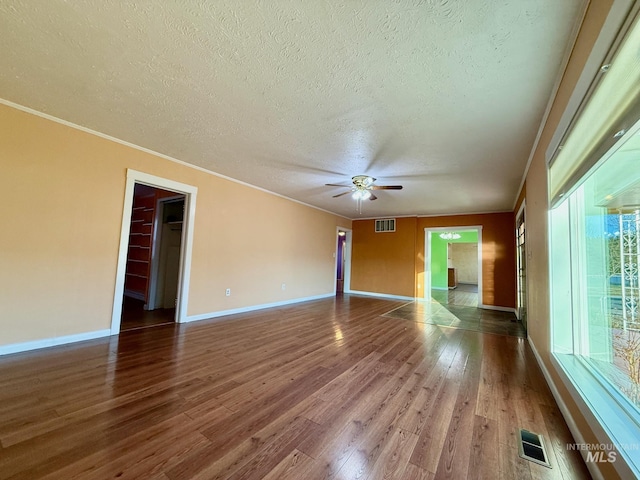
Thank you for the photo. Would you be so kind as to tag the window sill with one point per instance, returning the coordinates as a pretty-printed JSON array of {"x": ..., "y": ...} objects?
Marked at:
[{"x": 611, "y": 424}]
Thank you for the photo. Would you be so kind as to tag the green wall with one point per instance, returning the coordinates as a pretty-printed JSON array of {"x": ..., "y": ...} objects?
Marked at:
[{"x": 439, "y": 256}]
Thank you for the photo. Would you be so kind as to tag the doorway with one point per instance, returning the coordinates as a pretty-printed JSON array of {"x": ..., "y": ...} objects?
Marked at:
[
  {"x": 462, "y": 272},
  {"x": 154, "y": 257},
  {"x": 343, "y": 261},
  {"x": 453, "y": 265},
  {"x": 163, "y": 287},
  {"x": 521, "y": 259}
]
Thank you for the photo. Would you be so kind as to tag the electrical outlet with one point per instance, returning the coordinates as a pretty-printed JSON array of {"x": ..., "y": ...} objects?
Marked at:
[
  {"x": 228, "y": 292},
  {"x": 284, "y": 286}
]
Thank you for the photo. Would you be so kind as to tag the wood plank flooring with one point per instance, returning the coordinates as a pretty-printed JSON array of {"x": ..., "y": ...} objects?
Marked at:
[
  {"x": 464, "y": 295},
  {"x": 134, "y": 315},
  {"x": 467, "y": 318},
  {"x": 325, "y": 389}
]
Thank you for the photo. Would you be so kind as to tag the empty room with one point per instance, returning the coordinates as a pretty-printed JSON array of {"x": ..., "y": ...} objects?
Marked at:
[{"x": 320, "y": 240}]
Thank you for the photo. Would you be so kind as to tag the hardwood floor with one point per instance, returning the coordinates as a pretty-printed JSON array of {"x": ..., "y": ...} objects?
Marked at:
[
  {"x": 134, "y": 315},
  {"x": 467, "y": 318},
  {"x": 464, "y": 295},
  {"x": 325, "y": 389}
]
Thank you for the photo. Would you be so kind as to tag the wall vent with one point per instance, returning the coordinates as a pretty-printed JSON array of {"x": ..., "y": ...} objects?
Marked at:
[
  {"x": 386, "y": 225},
  {"x": 531, "y": 447}
]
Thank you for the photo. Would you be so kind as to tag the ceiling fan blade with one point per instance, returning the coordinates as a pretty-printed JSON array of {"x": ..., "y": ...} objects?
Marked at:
[
  {"x": 387, "y": 187},
  {"x": 341, "y": 194},
  {"x": 337, "y": 185},
  {"x": 372, "y": 197}
]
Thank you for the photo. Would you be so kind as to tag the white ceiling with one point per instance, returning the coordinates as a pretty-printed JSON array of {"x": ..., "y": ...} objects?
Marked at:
[{"x": 442, "y": 96}]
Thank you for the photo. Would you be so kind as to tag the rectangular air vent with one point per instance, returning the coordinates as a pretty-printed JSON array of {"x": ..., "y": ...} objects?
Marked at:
[
  {"x": 531, "y": 447},
  {"x": 386, "y": 225}
]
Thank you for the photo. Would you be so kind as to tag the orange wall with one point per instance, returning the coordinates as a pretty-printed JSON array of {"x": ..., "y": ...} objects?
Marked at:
[
  {"x": 393, "y": 263},
  {"x": 64, "y": 197},
  {"x": 384, "y": 262}
]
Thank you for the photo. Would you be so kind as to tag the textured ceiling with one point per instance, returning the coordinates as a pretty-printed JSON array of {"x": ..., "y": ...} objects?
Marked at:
[{"x": 442, "y": 96}]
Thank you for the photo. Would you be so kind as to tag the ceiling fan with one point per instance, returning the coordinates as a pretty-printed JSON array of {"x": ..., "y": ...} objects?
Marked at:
[{"x": 362, "y": 186}]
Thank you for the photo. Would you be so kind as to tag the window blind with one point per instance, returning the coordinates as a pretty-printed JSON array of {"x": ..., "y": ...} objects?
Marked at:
[{"x": 608, "y": 115}]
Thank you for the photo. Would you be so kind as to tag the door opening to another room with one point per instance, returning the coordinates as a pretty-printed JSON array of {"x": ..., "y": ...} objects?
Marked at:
[
  {"x": 462, "y": 273},
  {"x": 343, "y": 261},
  {"x": 153, "y": 258},
  {"x": 453, "y": 265},
  {"x": 521, "y": 310}
]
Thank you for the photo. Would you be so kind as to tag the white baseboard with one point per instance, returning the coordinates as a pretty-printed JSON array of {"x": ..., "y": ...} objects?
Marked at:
[
  {"x": 233, "y": 311},
  {"x": 52, "y": 342},
  {"x": 381, "y": 295},
  {"x": 498, "y": 308},
  {"x": 573, "y": 427},
  {"x": 444, "y": 289}
]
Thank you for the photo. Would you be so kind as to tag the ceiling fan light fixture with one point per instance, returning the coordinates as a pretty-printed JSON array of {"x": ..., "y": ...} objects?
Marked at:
[
  {"x": 363, "y": 181},
  {"x": 362, "y": 189},
  {"x": 361, "y": 194}
]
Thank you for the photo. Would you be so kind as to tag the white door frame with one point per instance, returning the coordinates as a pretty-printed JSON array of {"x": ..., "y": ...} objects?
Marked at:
[
  {"x": 186, "y": 244},
  {"x": 347, "y": 261},
  {"x": 427, "y": 256}
]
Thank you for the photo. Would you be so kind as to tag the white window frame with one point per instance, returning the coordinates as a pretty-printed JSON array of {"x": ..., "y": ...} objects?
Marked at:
[{"x": 612, "y": 418}]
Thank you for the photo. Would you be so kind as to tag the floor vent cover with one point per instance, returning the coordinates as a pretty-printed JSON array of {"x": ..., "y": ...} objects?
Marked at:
[{"x": 531, "y": 447}]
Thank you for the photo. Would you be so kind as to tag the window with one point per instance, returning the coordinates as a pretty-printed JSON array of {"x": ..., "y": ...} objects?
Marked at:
[
  {"x": 595, "y": 260},
  {"x": 602, "y": 242},
  {"x": 595, "y": 255}
]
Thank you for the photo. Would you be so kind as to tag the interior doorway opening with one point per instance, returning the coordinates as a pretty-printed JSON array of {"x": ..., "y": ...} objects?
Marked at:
[
  {"x": 453, "y": 265},
  {"x": 462, "y": 273},
  {"x": 153, "y": 258},
  {"x": 343, "y": 261}
]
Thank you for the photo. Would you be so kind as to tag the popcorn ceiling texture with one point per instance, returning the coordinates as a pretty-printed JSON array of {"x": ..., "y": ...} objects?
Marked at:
[{"x": 441, "y": 96}]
